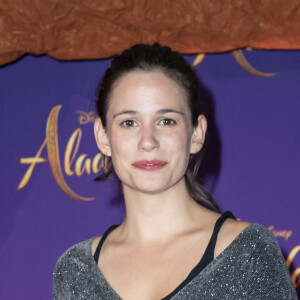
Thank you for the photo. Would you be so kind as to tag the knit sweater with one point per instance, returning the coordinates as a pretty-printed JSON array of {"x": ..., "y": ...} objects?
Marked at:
[{"x": 251, "y": 267}]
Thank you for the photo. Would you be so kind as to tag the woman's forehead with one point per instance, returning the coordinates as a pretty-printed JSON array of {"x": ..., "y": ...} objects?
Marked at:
[{"x": 147, "y": 90}]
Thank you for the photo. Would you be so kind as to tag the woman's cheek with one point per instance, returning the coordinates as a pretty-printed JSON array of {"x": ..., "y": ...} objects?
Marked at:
[
  {"x": 176, "y": 140},
  {"x": 122, "y": 143}
]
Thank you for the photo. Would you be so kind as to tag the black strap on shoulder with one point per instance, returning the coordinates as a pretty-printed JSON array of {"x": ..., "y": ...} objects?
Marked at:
[
  {"x": 103, "y": 238},
  {"x": 210, "y": 250},
  {"x": 208, "y": 255}
]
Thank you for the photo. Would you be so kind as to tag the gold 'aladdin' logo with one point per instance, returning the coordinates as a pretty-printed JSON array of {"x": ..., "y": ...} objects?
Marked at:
[{"x": 72, "y": 165}]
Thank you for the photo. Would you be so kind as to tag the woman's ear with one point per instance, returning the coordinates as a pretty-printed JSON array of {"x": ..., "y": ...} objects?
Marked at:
[
  {"x": 101, "y": 138},
  {"x": 198, "y": 136}
]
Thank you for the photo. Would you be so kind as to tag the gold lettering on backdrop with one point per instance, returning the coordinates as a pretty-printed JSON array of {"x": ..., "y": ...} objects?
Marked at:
[
  {"x": 86, "y": 117},
  {"x": 96, "y": 167},
  {"x": 82, "y": 165},
  {"x": 53, "y": 155},
  {"x": 286, "y": 234},
  {"x": 289, "y": 261},
  {"x": 72, "y": 166},
  {"x": 71, "y": 151},
  {"x": 32, "y": 161}
]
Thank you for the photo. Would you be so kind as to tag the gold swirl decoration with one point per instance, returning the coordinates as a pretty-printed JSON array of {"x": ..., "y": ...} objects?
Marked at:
[
  {"x": 198, "y": 60},
  {"x": 241, "y": 60},
  {"x": 295, "y": 274}
]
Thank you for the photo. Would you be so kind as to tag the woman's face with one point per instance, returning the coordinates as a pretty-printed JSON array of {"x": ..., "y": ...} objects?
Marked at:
[{"x": 149, "y": 134}]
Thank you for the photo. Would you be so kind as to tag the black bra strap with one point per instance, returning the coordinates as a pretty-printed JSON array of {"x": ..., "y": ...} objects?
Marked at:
[
  {"x": 103, "y": 238},
  {"x": 210, "y": 250},
  {"x": 208, "y": 255}
]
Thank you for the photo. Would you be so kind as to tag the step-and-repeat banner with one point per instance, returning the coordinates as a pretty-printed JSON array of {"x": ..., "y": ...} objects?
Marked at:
[{"x": 50, "y": 201}]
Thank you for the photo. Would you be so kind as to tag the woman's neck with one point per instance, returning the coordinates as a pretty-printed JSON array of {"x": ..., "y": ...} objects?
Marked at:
[{"x": 151, "y": 218}]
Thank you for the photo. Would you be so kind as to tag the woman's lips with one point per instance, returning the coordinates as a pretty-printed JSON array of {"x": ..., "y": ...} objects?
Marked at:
[{"x": 149, "y": 165}]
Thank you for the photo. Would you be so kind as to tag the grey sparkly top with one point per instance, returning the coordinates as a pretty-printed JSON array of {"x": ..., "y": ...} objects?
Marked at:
[{"x": 251, "y": 267}]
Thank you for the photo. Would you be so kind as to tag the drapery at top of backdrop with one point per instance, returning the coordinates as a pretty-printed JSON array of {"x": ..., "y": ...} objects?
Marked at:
[
  {"x": 188, "y": 26},
  {"x": 154, "y": 131}
]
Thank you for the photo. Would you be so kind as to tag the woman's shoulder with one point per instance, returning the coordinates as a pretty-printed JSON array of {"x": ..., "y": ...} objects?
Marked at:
[
  {"x": 254, "y": 232},
  {"x": 82, "y": 251},
  {"x": 227, "y": 230},
  {"x": 75, "y": 267},
  {"x": 78, "y": 252},
  {"x": 250, "y": 234},
  {"x": 259, "y": 237}
]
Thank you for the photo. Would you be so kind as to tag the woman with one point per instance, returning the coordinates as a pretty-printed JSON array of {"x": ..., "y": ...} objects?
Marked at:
[{"x": 172, "y": 244}]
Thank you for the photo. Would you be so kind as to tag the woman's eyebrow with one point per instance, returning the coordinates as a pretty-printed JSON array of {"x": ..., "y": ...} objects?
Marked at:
[
  {"x": 160, "y": 112},
  {"x": 168, "y": 110},
  {"x": 125, "y": 112}
]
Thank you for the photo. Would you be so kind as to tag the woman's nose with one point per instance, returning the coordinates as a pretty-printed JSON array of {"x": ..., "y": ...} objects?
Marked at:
[{"x": 148, "y": 139}]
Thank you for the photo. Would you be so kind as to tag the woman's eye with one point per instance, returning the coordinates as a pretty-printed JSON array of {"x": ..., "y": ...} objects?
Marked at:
[
  {"x": 128, "y": 123},
  {"x": 167, "y": 122}
]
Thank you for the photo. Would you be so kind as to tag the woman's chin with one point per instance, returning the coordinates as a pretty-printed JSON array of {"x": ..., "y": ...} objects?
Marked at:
[
  {"x": 152, "y": 187},
  {"x": 147, "y": 189}
]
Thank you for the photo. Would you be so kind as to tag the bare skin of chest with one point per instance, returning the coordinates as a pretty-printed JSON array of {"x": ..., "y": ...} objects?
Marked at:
[{"x": 153, "y": 270}]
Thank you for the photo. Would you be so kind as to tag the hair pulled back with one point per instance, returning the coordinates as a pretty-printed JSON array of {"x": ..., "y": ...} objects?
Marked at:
[{"x": 151, "y": 58}]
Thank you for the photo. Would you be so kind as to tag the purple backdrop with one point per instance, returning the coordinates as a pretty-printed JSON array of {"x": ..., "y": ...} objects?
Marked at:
[{"x": 253, "y": 162}]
